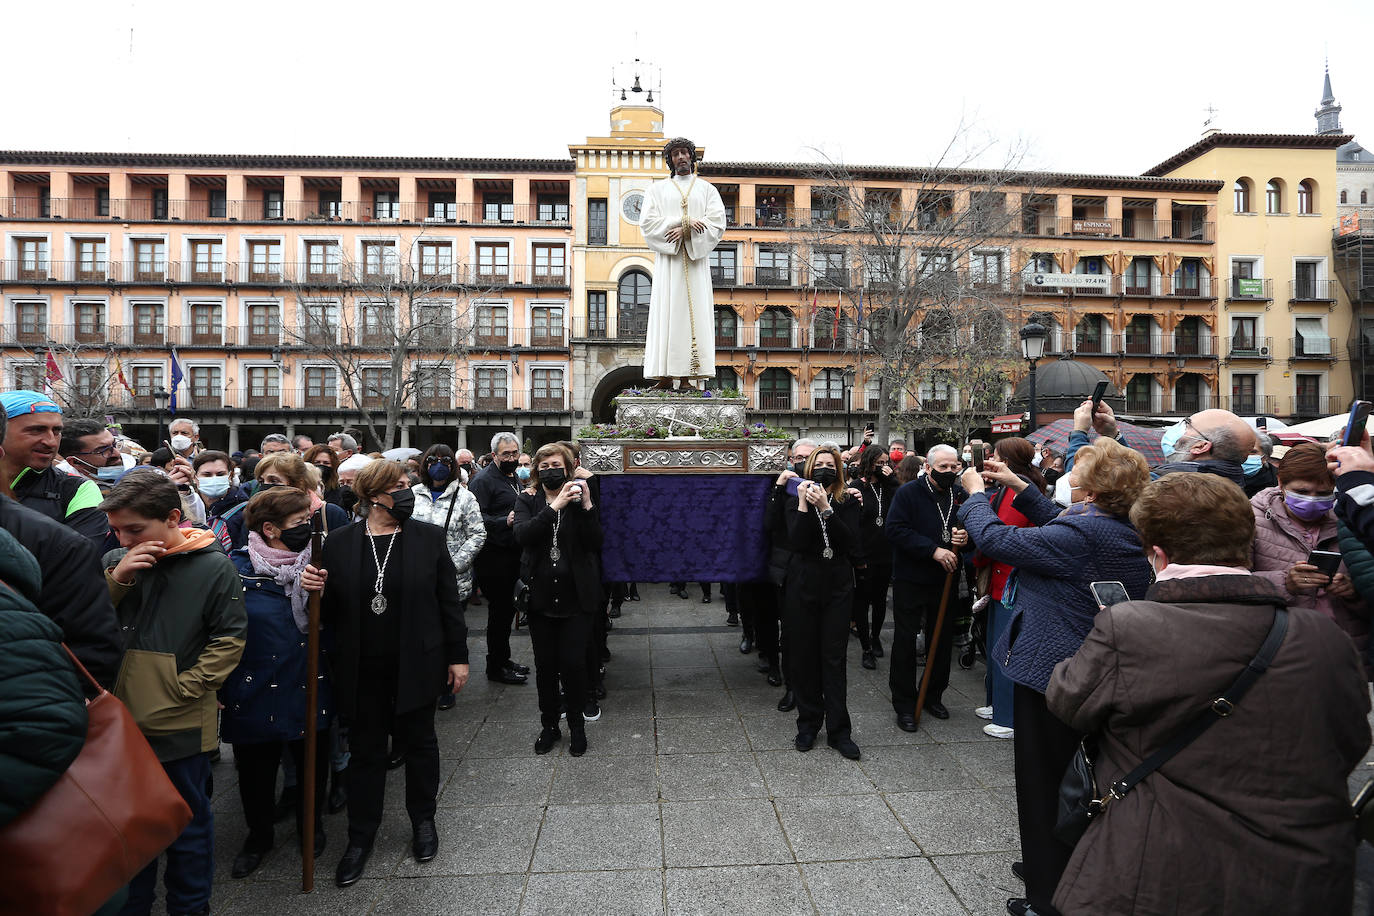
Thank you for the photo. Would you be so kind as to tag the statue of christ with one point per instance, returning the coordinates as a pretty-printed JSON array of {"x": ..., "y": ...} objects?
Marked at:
[{"x": 683, "y": 220}]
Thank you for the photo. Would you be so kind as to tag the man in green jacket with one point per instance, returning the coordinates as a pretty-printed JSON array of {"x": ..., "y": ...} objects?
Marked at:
[{"x": 180, "y": 605}]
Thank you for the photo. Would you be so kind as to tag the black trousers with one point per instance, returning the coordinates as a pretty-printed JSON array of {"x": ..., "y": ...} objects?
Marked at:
[
  {"x": 760, "y": 605},
  {"x": 1044, "y": 746},
  {"x": 730, "y": 590},
  {"x": 870, "y": 602},
  {"x": 914, "y": 606},
  {"x": 496, "y": 572},
  {"x": 560, "y": 657},
  {"x": 816, "y": 621},
  {"x": 257, "y": 767},
  {"x": 374, "y": 719}
]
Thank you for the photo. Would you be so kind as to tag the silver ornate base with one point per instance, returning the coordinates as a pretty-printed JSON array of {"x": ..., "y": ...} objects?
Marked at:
[
  {"x": 684, "y": 414},
  {"x": 684, "y": 456}
]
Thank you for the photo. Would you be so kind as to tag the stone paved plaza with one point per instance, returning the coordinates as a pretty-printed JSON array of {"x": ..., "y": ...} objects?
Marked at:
[{"x": 691, "y": 799}]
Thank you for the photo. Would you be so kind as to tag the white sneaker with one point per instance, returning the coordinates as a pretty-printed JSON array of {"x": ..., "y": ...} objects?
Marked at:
[
  {"x": 998, "y": 731},
  {"x": 983, "y": 712}
]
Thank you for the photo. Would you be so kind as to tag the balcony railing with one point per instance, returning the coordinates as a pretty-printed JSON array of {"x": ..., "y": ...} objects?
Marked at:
[
  {"x": 775, "y": 400},
  {"x": 1047, "y": 225},
  {"x": 1251, "y": 288},
  {"x": 1240, "y": 347},
  {"x": 1250, "y": 405},
  {"x": 1312, "y": 290},
  {"x": 1322, "y": 348},
  {"x": 146, "y": 209},
  {"x": 1301, "y": 405},
  {"x": 1197, "y": 288}
]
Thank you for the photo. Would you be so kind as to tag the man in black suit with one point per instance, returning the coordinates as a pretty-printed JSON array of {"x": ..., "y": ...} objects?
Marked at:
[
  {"x": 925, "y": 541},
  {"x": 497, "y": 567}
]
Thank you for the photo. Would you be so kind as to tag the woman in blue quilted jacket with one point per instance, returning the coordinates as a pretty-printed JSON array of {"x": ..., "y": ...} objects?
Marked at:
[{"x": 1052, "y": 611}]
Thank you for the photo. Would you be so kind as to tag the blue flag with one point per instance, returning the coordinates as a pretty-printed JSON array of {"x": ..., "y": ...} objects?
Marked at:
[{"x": 177, "y": 376}]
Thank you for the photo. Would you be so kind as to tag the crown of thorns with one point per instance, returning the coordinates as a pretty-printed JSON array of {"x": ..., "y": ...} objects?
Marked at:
[{"x": 675, "y": 143}]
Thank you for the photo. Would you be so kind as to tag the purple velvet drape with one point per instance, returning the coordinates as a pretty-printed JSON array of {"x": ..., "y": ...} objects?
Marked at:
[{"x": 684, "y": 527}]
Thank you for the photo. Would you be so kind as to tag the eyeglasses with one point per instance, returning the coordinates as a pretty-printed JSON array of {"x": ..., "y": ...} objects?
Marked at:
[{"x": 105, "y": 451}]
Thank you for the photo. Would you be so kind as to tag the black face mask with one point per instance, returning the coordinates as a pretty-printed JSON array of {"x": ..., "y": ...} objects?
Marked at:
[
  {"x": 799, "y": 468},
  {"x": 402, "y": 505},
  {"x": 944, "y": 479},
  {"x": 553, "y": 479},
  {"x": 347, "y": 498},
  {"x": 508, "y": 467},
  {"x": 296, "y": 537},
  {"x": 825, "y": 476},
  {"x": 439, "y": 471}
]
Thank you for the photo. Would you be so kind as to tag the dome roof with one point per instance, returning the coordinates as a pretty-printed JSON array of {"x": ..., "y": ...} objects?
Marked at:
[{"x": 1064, "y": 378}]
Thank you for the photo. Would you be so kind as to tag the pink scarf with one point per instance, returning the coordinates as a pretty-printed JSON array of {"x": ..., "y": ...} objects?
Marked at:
[{"x": 285, "y": 568}]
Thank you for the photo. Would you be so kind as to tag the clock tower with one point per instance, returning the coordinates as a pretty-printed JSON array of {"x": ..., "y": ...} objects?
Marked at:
[{"x": 612, "y": 268}]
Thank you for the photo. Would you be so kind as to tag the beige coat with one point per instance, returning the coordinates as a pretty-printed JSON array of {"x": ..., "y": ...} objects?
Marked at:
[{"x": 1253, "y": 816}]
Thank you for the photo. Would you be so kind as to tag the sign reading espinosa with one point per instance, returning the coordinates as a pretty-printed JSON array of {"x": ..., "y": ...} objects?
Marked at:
[{"x": 1103, "y": 281}]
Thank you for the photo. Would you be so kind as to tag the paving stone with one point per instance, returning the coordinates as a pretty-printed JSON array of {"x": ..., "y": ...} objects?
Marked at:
[
  {"x": 499, "y": 781},
  {"x": 504, "y": 739},
  {"x": 604, "y": 779},
  {"x": 983, "y": 881},
  {"x": 989, "y": 761},
  {"x": 618, "y": 733},
  {"x": 789, "y": 773},
  {"x": 701, "y": 678},
  {"x": 683, "y": 777},
  {"x": 771, "y": 730},
  {"x": 284, "y": 896},
  {"x": 958, "y": 820},
  {"x": 757, "y": 890},
  {"x": 923, "y": 767},
  {"x": 712, "y": 733},
  {"x": 496, "y": 895},
  {"x": 479, "y": 841},
  {"x": 599, "y": 837},
  {"x": 694, "y": 656},
  {"x": 723, "y": 832},
  {"x": 843, "y": 827},
  {"x": 684, "y": 702},
  {"x": 887, "y": 886},
  {"x": 608, "y": 893}
]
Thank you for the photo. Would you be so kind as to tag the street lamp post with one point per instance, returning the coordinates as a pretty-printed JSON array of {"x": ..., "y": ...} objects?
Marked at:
[
  {"x": 1033, "y": 348},
  {"x": 848, "y": 387},
  {"x": 161, "y": 396}
]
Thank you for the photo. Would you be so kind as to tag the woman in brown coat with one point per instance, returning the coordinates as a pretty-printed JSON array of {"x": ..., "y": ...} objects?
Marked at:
[{"x": 1253, "y": 816}]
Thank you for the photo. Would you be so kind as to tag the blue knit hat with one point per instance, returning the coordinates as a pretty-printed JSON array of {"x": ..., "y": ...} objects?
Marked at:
[{"x": 21, "y": 402}]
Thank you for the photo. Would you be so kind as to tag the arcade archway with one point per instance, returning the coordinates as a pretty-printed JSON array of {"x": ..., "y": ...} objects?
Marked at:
[{"x": 615, "y": 381}]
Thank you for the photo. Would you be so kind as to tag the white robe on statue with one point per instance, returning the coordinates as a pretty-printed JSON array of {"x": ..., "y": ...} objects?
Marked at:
[{"x": 668, "y": 343}]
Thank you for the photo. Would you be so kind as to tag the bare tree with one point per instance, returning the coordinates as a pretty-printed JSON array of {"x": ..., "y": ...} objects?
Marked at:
[
  {"x": 84, "y": 390},
  {"x": 393, "y": 326},
  {"x": 934, "y": 280}
]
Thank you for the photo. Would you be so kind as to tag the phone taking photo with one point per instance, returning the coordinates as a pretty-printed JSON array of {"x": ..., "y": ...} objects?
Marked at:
[
  {"x": 1355, "y": 423},
  {"x": 976, "y": 449},
  {"x": 1099, "y": 391},
  {"x": 1328, "y": 561},
  {"x": 1108, "y": 593}
]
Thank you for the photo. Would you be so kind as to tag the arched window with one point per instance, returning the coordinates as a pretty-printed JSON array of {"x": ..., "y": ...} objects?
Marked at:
[
  {"x": 726, "y": 379},
  {"x": 1242, "y": 191},
  {"x": 1364, "y": 197},
  {"x": 1306, "y": 196},
  {"x": 1273, "y": 196},
  {"x": 775, "y": 389},
  {"x": 632, "y": 301},
  {"x": 775, "y": 328},
  {"x": 727, "y": 328},
  {"x": 827, "y": 391},
  {"x": 1343, "y": 200}
]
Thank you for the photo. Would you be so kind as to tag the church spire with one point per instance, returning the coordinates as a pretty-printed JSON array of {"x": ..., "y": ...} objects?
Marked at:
[{"x": 1329, "y": 114}]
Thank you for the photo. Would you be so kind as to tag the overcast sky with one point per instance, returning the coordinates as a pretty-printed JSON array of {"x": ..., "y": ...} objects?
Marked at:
[{"x": 1080, "y": 86}]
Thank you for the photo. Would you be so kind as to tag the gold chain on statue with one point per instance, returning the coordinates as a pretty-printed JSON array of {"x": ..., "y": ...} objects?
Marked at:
[{"x": 687, "y": 274}]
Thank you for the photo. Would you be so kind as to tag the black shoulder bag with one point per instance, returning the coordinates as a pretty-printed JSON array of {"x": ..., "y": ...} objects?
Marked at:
[{"x": 1079, "y": 800}]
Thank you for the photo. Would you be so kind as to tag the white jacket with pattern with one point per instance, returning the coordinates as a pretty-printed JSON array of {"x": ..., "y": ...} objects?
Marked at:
[{"x": 466, "y": 533}]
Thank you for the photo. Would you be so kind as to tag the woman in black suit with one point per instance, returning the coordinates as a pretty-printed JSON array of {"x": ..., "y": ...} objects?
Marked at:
[
  {"x": 559, "y": 530},
  {"x": 391, "y": 599},
  {"x": 878, "y": 484},
  {"x": 818, "y": 597}
]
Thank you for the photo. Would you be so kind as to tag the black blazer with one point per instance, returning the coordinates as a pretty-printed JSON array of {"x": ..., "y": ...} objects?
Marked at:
[
  {"x": 579, "y": 538},
  {"x": 914, "y": 529},
  {"x": 433, "y": 634}
]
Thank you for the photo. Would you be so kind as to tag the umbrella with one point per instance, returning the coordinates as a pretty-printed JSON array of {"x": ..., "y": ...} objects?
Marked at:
[
  {"x": 401, "y": 454},
  {"x": 1143, "y": 440},
  {"x": 1323, "y": 428}
]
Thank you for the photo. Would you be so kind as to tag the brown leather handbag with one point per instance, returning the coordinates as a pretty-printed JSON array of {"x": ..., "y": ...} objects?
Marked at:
[{"x": 110, "y": 814}]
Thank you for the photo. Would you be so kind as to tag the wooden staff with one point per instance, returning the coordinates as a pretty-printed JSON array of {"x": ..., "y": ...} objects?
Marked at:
[
  {"x": 312, "y": 702},
  {"x": 934, "y": 641}
]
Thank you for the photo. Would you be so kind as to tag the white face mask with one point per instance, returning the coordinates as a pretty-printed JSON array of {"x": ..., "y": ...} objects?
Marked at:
[
  {"x": 181, "y": 442},
  {"x": 967, "y": 456},
  {"x": 1063, "y": 491},
  {"x": 1035, "y": 462}
]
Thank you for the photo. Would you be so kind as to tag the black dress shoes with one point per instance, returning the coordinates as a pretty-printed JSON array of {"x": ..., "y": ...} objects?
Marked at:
[
  {"x": 937, "y": 709},
  {"x": 746, "y": 645},
  {"x": 338, "y": 792},
  {"x": 775, "y": 677},
  {"x": 805, "y": 741},
  {"x": 906, "y": 722},
  {"x": 577, "y": 742},
  {"x": 732, "y": 619},
  {"x": 705, "y": 599},
  {"x": 352, "y": 865},
  {"x": 447, "y": 701},
  {"x": 248, "y": 860},
  {"x": 518, "y": 668},
  {"x": 425, "y": 841},
  {"x": 1020, "y": 906},
  {"x": 788, "y": 703},
  {"x": 396, "y": 758},
  {"x": 547, "y": 739},
  {"x": 1017, "y": 869},
  {"x": 877, "y": 648},
  {"x": 868, "y": 661},
  {"x": 507, "y": 676},
  {"x": 614, "y": 612},
  {"x": 847, "y": 748}
]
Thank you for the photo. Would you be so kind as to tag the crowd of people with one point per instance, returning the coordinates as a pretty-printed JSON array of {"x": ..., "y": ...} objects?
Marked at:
[{"x": 182, "y": 578}]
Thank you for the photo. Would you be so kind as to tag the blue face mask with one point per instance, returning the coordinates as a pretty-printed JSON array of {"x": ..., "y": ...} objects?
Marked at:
[
  {"x": 111, "y": 474},
  {"x": 1252, "y": 465},
  {"x": 1169, "y": 441},
  {"x": 522, "y": 473},
  {"x": 213, "y": 487}
]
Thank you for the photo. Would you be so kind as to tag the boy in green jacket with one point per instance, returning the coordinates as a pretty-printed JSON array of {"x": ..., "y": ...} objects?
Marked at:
[{"x": 180, "y": 605}]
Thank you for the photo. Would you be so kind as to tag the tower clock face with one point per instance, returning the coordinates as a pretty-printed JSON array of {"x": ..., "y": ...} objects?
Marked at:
[{"x": 632, "y": 205}]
